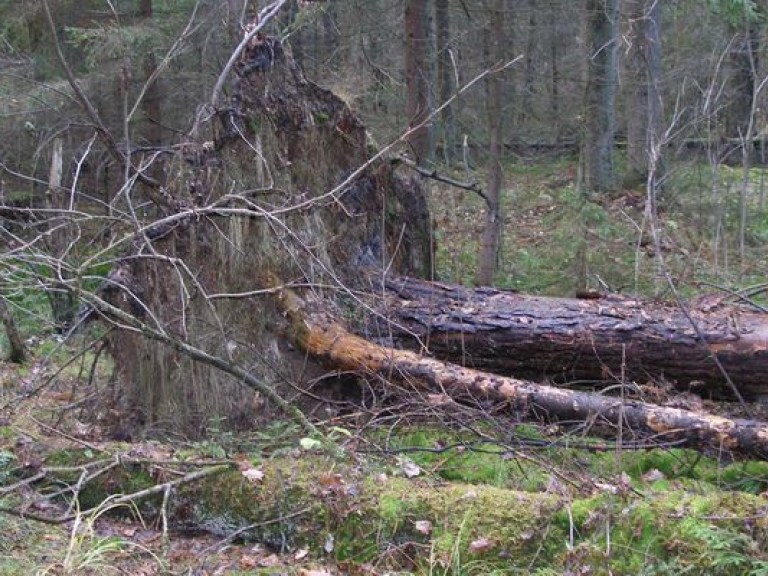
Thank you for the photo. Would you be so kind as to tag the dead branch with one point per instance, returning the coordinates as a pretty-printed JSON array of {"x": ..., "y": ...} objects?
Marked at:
[{"x": 472, "y": 186}]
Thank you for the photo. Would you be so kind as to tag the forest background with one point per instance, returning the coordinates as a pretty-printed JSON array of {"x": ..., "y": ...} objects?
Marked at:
[{"x": 565, "y": 148}]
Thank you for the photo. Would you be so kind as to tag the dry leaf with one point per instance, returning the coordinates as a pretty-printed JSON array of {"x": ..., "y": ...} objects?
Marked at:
[
  {"x": 253, "y": 474},
  {"x": 653, "y": 475},
  {"x": 410, "y": 468},
  {"x": 329, "y": 543},
  {"x": 269, "y": 561},
  {"x": 423, "y": 526},
  {"x": 247, "y": 561},
  {"x": 481, "y": 545}
]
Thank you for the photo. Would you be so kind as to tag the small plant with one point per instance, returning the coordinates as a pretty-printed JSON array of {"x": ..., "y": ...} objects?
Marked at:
[{"x": 89, "y": 553}]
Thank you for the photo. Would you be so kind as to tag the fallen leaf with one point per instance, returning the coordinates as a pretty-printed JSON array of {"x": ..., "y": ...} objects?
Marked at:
[
  {"x": 253, "y": 474},
  {"x": 301, "y": 554},
  {"x": 269, "y": 561},
  {"x": 247, "y": 561},
  {"x": 329, "y": 543},
  {"x": 309, "y": 444},
  {"x": 410, "y": 468},
  {"x": 423, "y": 526},
  {"x": 653, "y": 475},
  {"x": 481, "y": 545}
]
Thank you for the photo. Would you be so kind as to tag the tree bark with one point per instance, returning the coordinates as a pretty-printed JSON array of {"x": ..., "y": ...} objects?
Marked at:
[
  {"x": 416, "y": 78},
  {"x": 63, "y": 305},
  {"x": 602, "y": 33},
  {"x": 488, "y": 262},
  {"x": 644, "y": 96},
  {"x": 613, "y": 338},
  {"x": 741, "y": 68},
  {"x": 328, "y": 341},
  {"x": 445, "y": 75},
  {"x": 144, "y": 9}
]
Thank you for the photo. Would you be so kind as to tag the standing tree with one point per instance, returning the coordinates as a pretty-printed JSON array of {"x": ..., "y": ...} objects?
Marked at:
[
  {"x": 743, "y": 20},
  {"x": 494, "y": 48},
  {"x": 644, "y": 95},
  {"x": 417, "y": 78},
  {"x": 601, "y": 34},
  {"x": 445, "y": 78}
]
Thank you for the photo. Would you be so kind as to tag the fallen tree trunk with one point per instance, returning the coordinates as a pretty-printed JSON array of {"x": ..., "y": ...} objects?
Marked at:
[
  {"x": 610, "y": 338},
  {"x": 328, "y": 341}
]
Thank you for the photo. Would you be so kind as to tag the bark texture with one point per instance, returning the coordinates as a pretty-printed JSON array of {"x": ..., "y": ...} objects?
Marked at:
[
  {"x": 644, "y": 96},
  {"x": 416, "y": 78},
  {"x": 569, "y": 340},
  {"x": 446, "y": 67},
  {"x": 15, "y": 341},
  {"x": 488, "y": 262},
  {"x": 329, "y": 341},
  {"x": 602, "y": 34}
]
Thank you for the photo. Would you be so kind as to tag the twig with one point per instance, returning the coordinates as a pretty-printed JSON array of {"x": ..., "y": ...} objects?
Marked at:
[
  {"x": 472, "y": 186},
  {"x": 237, "y": 533},
  {"x": 93, "y": 114},
  {"x": 186, "y": 479},
  {"x": 67, "y": 436},
  {"x": 21, "y": 483},
  {"x": 736, "y": 294},
  {"x": 191, "y": 477}
]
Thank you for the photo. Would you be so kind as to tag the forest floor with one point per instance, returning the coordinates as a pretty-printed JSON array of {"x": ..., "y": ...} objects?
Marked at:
[{"x": 423, "y": 489}]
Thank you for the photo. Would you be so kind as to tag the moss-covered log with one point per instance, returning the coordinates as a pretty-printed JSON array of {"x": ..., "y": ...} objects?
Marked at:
[
  {"x": 329, "y": 341},
  {"x": 609, "y": 338}
]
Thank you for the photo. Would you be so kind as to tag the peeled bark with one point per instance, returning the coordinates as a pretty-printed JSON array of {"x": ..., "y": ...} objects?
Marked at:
[
  {"x": 611, "y": 338},
  {"x": 328, "y": 341}
]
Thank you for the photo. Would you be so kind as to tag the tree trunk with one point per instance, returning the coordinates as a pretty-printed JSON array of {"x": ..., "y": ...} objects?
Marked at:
[
  {"x": 488, "y": 262},
  {"x": 15, "y": 342},
  {"x": 416, "y": 78},
  {"x": 234, "y": 15},
  {"x": 328, "y": 341},
  {"x": 144, "y": 9},
  {"x": 742, "y": 67},
  {"x": 445, "y": 76},
  {"x": 644, "y": 96},
  {"x": 530, "y": 72},
  {"x": 613, "y": 338},
  {"x": 63, "y": 305},
  {"x": 554, "y": 54},
  {"x": 599, "y": 116}
]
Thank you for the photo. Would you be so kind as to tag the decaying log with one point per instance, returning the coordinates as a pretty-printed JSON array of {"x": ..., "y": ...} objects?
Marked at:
[
  {"x": 330, "y": 342},
  {"x": 565, "y": 340}
]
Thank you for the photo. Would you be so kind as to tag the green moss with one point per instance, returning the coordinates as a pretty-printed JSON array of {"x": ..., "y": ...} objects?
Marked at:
[
  {"x": 748, "y": 476},
  {"x": 468, "y": 460},
  {"x": 123, "y": 480},
  {"x": 320, "y": 118}
]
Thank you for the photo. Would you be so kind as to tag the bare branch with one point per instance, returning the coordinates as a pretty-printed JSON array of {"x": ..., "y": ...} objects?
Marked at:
[{"x": 473, "y": 186}]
